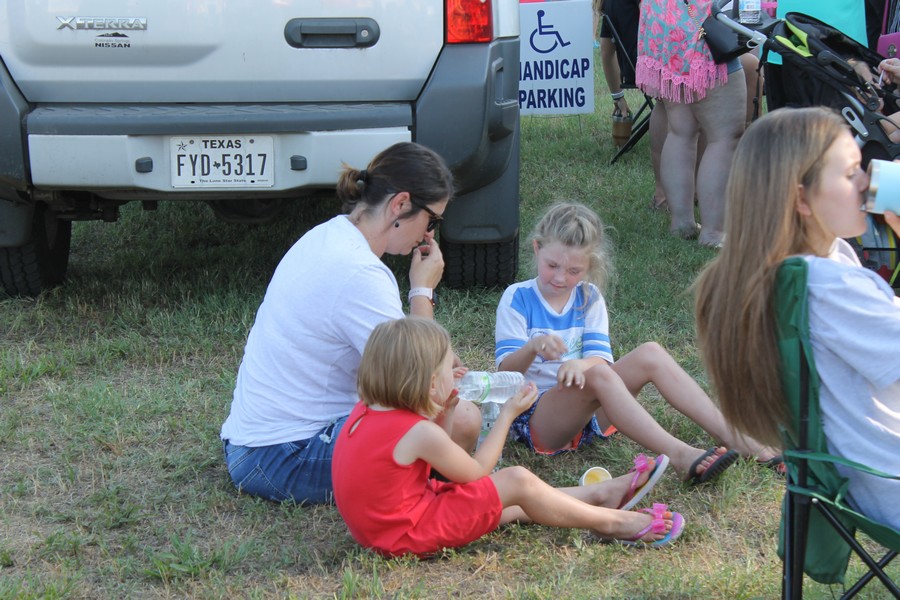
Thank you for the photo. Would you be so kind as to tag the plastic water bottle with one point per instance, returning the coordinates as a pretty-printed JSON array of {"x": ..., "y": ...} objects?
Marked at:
[
  {"x": 749, "y": 11},
  {"x": 490, "y": 390},
  {"x": 481, "y": 387}
]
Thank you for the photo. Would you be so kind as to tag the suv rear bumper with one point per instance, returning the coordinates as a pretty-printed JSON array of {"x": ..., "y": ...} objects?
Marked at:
[{"x": 115, "y": 150}]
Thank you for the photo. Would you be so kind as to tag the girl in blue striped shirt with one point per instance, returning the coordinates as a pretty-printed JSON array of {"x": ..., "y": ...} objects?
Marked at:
[{"x": 555, "y": 329}]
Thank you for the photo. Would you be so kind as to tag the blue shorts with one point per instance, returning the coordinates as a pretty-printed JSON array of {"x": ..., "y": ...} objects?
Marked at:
[
  {"x": 521, "y": 431},
  {"x": 734, "y": 65},
  {"x": 299, "y": 471}
]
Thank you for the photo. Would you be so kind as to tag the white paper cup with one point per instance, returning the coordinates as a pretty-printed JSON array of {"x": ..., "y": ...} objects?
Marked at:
[
  {"x": 594, "y": 475},
  {"x": 884, "y": 186}
]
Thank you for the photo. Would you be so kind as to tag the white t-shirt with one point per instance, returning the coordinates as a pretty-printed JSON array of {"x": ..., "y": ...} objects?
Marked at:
[
  {"x": 523, "y": 313},
  {"x": 299, "y": 368},
  {"x": 854, "y": 321}
]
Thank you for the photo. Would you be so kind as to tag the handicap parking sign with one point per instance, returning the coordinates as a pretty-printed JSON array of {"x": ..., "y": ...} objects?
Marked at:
[{"x": 556, "y": 64}]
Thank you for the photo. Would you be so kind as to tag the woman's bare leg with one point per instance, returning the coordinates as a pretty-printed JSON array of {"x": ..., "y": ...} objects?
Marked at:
[
  {"x": 677, "y": 163},
  {"x": 721, "y": 116},
  {"x": 755, "y": 81},
  {"x": 612, "y": 74},
  {"x": 659, "y": 127}
]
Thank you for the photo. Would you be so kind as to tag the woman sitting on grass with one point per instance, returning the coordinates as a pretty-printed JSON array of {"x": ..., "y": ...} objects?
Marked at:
[
  {"x": 384, "y": 453},
  {"x": 554, "y": 329},
  {"x": 297, "y": 379}
]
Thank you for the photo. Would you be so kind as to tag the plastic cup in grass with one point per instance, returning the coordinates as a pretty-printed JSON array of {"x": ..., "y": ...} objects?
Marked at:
[{"x": 594, "y": 475}]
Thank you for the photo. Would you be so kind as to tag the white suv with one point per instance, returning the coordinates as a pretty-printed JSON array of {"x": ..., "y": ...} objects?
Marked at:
[{"x": 245, "y": 105}]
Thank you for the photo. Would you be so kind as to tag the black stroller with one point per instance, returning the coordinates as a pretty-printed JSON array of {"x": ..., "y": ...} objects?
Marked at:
[{"x": 818, "y": 70}]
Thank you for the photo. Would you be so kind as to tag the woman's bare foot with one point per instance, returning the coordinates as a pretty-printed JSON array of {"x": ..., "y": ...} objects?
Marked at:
[
  {"x": 711, "y": 240},
  {"x": 686, "y": 231},
  {"x": 659, "y": 202}
]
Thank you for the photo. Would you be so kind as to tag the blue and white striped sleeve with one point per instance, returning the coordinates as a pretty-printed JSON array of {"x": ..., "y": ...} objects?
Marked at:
[
  {"x": 595, "y": 338},
  {"x": 511, "y": 330}
]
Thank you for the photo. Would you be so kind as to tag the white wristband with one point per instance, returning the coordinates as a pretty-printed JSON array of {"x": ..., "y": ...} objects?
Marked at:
[{"x": 422, "y": 291}]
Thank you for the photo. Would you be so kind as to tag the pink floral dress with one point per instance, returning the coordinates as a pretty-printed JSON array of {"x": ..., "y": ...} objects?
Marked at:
[{"x": 673, "y": 62}]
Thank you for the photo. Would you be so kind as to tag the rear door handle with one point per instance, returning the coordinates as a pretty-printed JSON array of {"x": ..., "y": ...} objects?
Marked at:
[{"x": 360, "y": 32}]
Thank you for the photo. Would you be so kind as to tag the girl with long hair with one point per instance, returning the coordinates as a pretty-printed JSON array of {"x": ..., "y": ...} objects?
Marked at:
[{"x": 799, "y": 191}]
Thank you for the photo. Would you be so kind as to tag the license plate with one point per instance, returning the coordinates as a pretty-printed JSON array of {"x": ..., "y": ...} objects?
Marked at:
[{"x": 223, "y": 161}]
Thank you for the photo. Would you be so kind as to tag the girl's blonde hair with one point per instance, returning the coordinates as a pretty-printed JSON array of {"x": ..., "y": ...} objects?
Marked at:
[
  {"x": 574, "y": 225},
  {"x": 399, "y": 362},
  {"x": 778, "y": 155}
]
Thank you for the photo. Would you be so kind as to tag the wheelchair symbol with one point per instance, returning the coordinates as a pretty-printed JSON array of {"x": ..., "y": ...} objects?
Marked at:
[{"x": 546, "y": 31}]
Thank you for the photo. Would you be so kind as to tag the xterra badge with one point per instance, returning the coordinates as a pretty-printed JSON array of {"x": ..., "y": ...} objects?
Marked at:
[{"x": 103, "y": 23}]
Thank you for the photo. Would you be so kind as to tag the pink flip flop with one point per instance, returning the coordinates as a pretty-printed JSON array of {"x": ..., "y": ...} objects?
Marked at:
[
  {"x": 641, "y": 464},
  {"x": 658, "y": 525}
]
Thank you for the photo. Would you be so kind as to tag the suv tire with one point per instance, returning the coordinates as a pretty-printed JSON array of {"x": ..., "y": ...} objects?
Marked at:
[
  {"x": 43, "y": 261},
  {"x": 487, "y": 265},
  {"x": 472, "y": 257}
]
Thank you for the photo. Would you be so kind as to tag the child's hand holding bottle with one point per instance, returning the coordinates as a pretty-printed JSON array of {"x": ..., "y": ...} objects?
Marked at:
[
  {"x": 520, "y": 402},
  {"x": 488, "y": 452},
  {"x": 451, "y": 401}
]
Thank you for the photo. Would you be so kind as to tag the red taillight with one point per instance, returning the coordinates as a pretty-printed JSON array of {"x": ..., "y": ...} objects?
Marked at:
[{"x": 469, "y": 21}]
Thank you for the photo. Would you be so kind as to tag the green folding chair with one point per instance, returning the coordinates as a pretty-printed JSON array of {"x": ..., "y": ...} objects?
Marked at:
[{"x": 818, "y": 527}]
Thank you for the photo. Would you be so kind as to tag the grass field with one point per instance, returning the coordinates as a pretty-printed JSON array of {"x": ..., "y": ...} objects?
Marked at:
[{"x": 113, "y": 389}]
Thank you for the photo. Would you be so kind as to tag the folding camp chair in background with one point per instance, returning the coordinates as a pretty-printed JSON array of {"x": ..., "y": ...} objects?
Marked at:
[
  {"x": 641, "y": 120},
  {"x": 818, "y": 526}
]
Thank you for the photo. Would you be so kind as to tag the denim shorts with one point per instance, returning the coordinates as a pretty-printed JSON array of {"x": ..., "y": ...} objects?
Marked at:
[{"x": 293, "y": 471}]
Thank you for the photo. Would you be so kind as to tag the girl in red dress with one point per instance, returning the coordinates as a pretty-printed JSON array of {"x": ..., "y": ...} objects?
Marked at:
[{"x": 384, "y": 454}]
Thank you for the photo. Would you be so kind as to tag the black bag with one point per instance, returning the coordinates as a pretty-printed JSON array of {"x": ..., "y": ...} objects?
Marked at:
[{"x": 723, "y": 42}]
